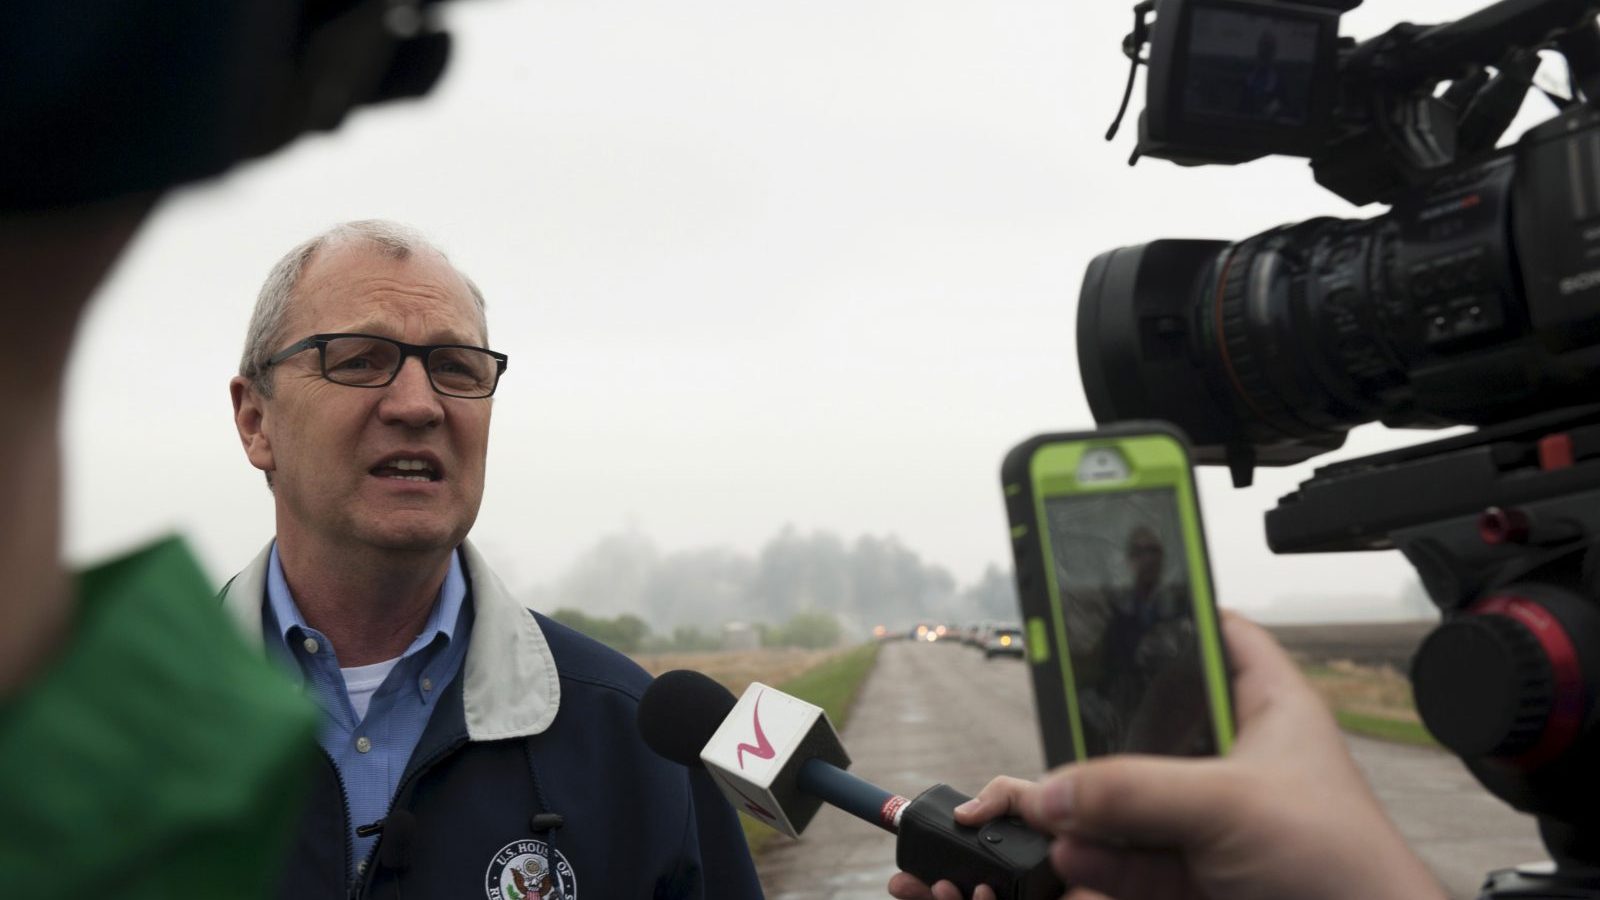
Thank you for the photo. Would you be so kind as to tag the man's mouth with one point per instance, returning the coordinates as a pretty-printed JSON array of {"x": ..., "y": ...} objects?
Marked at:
[{"x": 406, "y": 469}]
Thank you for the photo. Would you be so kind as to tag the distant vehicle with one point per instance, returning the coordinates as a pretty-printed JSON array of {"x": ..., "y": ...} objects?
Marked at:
[
  {"x": 880, "y": 633},
  {"x": 1004, "y": 640},
  {"x": 981, "y": 632}
]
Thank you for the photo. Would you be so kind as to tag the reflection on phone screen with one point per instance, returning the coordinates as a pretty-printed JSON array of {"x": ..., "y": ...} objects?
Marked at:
[{"x": 1129, "y": 612}]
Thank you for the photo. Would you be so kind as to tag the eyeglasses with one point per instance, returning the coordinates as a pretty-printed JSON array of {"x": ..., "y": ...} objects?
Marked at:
[{"x": 370, "y": 361}]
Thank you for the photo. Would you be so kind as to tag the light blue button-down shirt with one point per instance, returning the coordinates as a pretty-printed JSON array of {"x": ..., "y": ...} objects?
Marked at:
[{"x": 371, "y": 753}]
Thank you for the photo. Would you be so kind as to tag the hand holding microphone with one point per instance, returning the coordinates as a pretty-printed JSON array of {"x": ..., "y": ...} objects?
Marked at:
[
  {"x": 1286, "y": 814},
  {"x": 777, "y": 759}
]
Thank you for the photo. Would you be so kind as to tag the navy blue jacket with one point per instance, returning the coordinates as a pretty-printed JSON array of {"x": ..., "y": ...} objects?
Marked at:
[
  {"x": 633, "y": 825},
  {"x": 530, "y": 781}
]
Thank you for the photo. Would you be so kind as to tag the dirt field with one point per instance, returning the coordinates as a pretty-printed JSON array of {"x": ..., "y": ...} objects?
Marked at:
[
  {"x": 1365, "y": 643},
  {"x": 1359, "y": 667},
  {"x": 1371, "y": 690},
  {"x": 736, "y": 669}
]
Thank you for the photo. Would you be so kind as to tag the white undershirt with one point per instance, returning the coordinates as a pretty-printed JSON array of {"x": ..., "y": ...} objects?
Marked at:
[{"x": 360, "y": 682}]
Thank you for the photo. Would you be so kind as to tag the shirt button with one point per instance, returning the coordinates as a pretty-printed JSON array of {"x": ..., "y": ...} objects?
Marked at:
[
  {"x": 427, "y": 684},
  {"x": 311, "y": 646},
  {"x": 362, "y": 744}
]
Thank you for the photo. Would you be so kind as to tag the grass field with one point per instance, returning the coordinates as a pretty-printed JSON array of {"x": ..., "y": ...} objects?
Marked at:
[
  {"x": 1398, "y": 730},
  {"x": 830, "y": 679},
  {"x": 1374, "y": 701},
  {"x": 736, "y": 669},
  {"x": 832, "y": 685},
  {"x": 1358, "y": 669}
]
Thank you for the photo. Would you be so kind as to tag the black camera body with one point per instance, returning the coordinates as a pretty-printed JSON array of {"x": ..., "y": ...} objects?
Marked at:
[{"x": 1474, "y": 300}]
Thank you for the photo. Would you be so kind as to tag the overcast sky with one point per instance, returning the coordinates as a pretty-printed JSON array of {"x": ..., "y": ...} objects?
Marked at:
[{"x": 754, "y": 264}]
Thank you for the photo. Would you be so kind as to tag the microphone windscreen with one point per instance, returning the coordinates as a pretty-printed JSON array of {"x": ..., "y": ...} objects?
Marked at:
[{"x": 679, "y": 713}]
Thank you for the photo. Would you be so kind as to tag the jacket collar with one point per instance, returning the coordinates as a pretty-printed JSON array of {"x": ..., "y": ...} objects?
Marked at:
[{"x": 510, "y": 685}]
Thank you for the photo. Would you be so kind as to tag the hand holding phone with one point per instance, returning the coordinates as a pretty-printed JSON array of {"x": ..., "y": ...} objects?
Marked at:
[
  {"x": 1116, "y": 594},
  {"x": 1287, "y": 814}
]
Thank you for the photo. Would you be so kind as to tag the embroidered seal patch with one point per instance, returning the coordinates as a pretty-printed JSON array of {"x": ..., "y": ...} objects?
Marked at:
[{"x": 530, "y": 870}]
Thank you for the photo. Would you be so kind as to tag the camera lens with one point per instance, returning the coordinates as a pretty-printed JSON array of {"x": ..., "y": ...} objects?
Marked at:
[
  {"x": 1203, "y": 334},
  {"x": 1268, "y": 350}
]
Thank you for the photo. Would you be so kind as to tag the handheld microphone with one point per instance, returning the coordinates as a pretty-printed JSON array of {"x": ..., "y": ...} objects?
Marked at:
[{"x": 777, "y": 758}]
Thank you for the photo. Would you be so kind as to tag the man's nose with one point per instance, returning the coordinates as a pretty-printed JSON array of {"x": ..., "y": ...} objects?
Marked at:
[{"x": 410, "y": 398}]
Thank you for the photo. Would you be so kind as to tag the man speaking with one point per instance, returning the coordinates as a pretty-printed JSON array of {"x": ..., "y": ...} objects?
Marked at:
[{"x": 474, "y": 748}]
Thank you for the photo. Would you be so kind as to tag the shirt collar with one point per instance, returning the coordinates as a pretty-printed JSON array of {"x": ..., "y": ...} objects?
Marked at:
[{"x": 442, "y": 619}]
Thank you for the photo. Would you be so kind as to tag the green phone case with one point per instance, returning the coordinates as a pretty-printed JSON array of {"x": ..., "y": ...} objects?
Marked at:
[{"x": 1046, "y": 466}]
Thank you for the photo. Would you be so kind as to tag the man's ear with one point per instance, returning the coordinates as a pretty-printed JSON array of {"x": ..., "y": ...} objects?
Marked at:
[{"x": 249, "y": 417}]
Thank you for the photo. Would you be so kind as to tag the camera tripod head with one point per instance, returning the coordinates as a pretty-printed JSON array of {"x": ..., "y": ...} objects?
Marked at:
[{"x": 1503, "y": 526}]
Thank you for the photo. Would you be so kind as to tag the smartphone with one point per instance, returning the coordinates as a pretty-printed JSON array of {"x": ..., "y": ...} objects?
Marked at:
[{"x": 1120, "y": 622}]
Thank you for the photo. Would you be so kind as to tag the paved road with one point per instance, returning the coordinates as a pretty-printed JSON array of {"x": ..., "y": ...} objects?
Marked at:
[
  {"x": 932, "y": 713},
  {"x": 1457, "y": 826}
]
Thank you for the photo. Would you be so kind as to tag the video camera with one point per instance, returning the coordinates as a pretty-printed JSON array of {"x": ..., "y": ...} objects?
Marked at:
[{"x": 1475, "y": 300}]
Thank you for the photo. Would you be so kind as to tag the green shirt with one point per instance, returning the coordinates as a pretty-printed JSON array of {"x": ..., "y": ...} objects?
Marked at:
[{"x": 158, "y": 755}]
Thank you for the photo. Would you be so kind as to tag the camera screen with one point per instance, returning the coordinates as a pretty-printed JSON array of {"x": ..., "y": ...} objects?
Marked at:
[
  {"x": 1249, "y": 67},
  {"x": 1129, "y": 613}
]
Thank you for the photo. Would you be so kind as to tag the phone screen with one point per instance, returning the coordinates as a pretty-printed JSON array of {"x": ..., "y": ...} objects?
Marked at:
[{"x": 1128, "y": 608}]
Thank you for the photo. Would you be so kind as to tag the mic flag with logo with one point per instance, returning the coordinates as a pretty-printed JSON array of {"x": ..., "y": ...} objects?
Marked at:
[{"x": 756, "y": 754}]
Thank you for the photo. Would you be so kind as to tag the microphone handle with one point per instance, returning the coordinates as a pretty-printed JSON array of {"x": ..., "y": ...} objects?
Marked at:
[
  {"x": 1004, "y": 853},
  {"x": 862, "y": 799}
]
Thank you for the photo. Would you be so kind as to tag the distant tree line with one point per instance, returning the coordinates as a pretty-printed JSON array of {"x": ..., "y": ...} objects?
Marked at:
[
  {"x": 858, "y": 584},
  {"x": 626, "y": 632},
  {"x": 630, "y": 634},
  {"x": 809, "y": 630}
]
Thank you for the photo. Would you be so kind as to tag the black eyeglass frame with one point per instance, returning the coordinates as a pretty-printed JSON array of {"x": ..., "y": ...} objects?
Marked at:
[{"x": 420, "y": 351}]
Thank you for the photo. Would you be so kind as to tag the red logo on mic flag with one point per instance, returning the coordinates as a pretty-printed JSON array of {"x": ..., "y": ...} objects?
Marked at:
[{"x": 762, "y": 748}]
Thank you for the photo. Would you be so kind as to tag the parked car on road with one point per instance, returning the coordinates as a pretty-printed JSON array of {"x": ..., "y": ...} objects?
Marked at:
[{"x": 1003, "y": 640}]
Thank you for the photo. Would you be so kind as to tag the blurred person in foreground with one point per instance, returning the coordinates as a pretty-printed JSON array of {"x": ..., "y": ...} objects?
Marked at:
[
  {"x": 145, "y": 750},
  {"x": 471, "y": 744},
  {"x": 1286, "y": 814},
  {"x": 142, "y": 746}
]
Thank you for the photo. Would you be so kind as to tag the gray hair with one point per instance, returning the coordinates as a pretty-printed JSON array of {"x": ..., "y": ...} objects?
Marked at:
[{"x": 391, "y": 239}]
